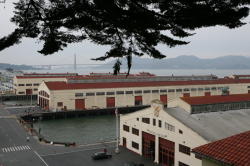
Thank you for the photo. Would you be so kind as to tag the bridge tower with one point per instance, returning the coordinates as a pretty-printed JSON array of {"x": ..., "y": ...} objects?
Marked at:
[{"x": 75, "y": 62}]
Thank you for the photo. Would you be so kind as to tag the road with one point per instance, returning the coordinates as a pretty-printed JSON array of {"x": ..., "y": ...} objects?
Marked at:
[{"x": 16, "y": 151}]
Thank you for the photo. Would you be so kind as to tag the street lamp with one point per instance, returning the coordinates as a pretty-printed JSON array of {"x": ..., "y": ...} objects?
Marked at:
[{"x": 117, "y": 131}]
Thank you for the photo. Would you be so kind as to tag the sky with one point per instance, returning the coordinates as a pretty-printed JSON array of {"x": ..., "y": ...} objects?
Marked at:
[{"x": 206, "y": 43}]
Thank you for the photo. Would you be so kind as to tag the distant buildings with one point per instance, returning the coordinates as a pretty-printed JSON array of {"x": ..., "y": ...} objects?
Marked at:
[
  {"x": 233, "y": 150},
  {"x": 27, "y": 84},
  {"x": 167, "y": 135}
]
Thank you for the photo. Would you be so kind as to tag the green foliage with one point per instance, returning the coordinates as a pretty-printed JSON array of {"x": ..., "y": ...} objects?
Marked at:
[{"x": 130, "y": 27}]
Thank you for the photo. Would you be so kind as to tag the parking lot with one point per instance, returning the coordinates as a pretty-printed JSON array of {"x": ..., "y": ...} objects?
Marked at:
[{"x": 83, "y": 158}]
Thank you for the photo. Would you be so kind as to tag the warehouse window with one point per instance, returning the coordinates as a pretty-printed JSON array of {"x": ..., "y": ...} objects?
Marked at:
[
  {"x": 35, "y": 89},
  {"x": 193, "y": 89},
  {"x": 135, "y": 131},
  {"x": 146, "y": 120},
  {"x": 28, "y": 84},
  {"x": 213, "y": 88},
  {"x": 200, "y": 89},
  {"x": 119, "y": 92},
  {"x": 146, "y": 91},
  {"x": 207, "y": 88},
  {"x": 36, "y": 84},
  {"x": 163, "y": 90},
  {"x": 154, "y": 122},
  {"x": 155, "y": 91},
  {"x": 126, "y": 128},
  {"x": 20, "y": 92},
  {"x": 78, "y": 94},
  {"x": 110, "y": 93},
  {"x": 159, "y": 123},
  {"x": 59, "y": 104},
  {"x": 182, "y": 164},
  {"x": 138, "y": 92},
  {"x": 169, "y": 127},
  {"x": 135, "y": 145},
  {"x": 184, "y": 149},
  {"x": 171, "y": 90},
  {"x": 100, "y": 93},
  {"x": 20, "y": 84},
  {"x": 186, "y": 90},
  {"x": 90, "y": 94},
  {"x": 178, "y": 90},
  {"x": 129, "y": 92}
]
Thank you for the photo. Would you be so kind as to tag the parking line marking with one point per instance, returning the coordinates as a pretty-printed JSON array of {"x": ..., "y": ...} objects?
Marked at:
[{"x": 41, "y": 158}]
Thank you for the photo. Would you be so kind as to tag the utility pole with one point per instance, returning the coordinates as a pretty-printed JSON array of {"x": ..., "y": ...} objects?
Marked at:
[
  {"x": 117, "y": 131},
  {"x": 31, "y": 96}
]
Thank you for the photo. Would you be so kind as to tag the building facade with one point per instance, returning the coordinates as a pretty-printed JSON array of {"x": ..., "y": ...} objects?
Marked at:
[
  {"x": 80, "y": 96},
  {"x": 167, "y": 135}
]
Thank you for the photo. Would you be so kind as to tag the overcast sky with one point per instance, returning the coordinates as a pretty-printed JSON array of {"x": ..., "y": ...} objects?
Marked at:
[{"x": 207, "y": 43}]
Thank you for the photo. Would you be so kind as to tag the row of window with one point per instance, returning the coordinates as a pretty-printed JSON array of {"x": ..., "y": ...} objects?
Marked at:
[
  {"x": 21, "y": 92},
  {"x": 43, "y": 93},
  {"x": 35, "y": 84},
  {"x": 220, "y": 107},
  {"x": 166, "y": 125},
  {"x": 134, "y": 130},
  {"x": 146, "y": 91}
]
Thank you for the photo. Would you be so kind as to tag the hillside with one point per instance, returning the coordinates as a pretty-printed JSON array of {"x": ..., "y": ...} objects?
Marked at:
[{"x": 187, "y": 62}]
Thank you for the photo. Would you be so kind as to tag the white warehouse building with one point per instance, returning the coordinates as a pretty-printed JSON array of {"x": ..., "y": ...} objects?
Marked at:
[{"x": 167, "y": 135}]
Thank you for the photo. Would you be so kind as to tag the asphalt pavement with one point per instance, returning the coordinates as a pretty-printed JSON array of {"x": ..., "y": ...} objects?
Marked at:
[{"x": 15, "y": 150}]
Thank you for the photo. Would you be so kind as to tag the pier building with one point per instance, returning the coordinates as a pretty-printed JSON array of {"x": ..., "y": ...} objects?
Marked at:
[
  {"x": 28, "y": 83},
  {"x": 166, "y": 135},
  {"x": 88, "y": 93}
]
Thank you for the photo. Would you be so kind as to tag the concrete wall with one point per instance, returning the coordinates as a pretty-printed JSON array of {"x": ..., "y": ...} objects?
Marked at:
[{"x": 188, "y": 137}]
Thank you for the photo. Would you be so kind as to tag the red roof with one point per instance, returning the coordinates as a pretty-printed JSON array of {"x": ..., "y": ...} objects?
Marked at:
[
  {"x": 29, "y": 77},
  {"x": 232, "y": 150},
  {"x": 30, "y": 74},
  {"x": 64, "y": 85},
  {"x": 199, "y": 100}
]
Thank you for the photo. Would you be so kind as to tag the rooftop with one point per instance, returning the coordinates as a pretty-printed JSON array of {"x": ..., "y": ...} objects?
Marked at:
[
  {"x": 213, "y": 126},
  {"x": 99, "y": 85},
  {"x": 232, "y": 150},
  {"x": 43, "y": 74},
  {"x": 200, "y": 100},
  {"x": 46, "y": 75}
]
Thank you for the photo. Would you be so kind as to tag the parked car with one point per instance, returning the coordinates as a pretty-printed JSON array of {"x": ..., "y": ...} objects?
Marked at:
[{"x": 101, "y": 155}]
